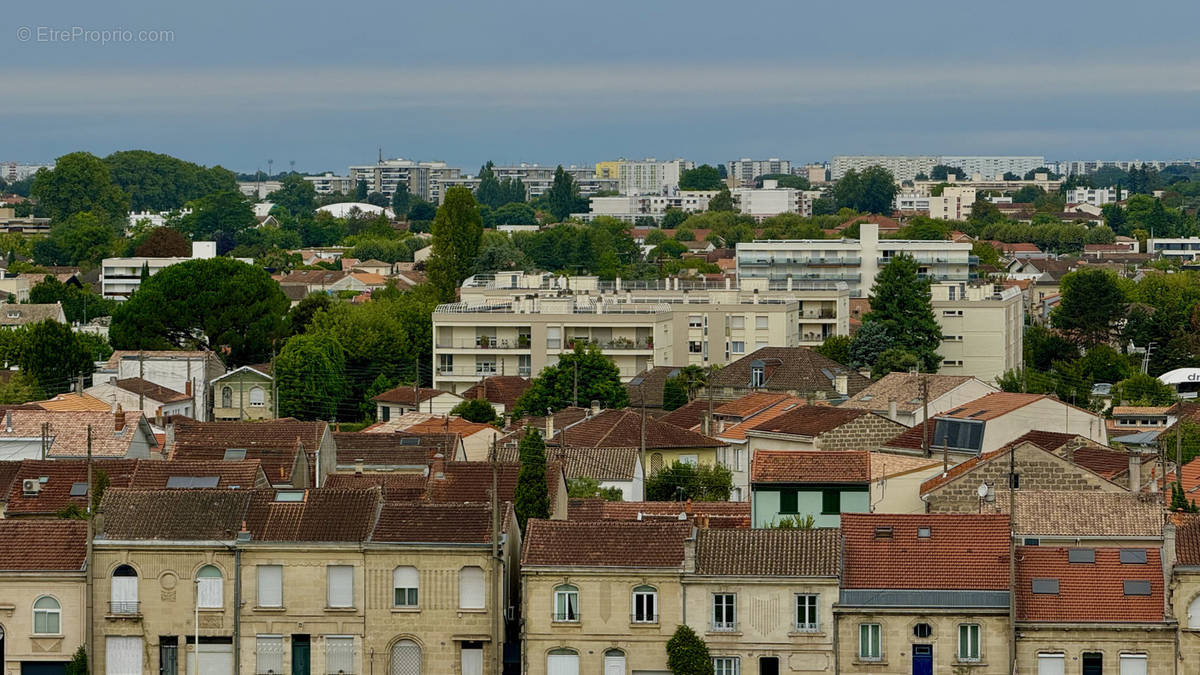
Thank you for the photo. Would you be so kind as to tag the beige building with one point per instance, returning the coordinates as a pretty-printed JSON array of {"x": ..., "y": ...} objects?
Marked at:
[
  {"x": 983, "y": 328},
  {"x": 244, "y": 394},
  {"x": 904, "y": 397},
  {"x": 43, "y": 594}
]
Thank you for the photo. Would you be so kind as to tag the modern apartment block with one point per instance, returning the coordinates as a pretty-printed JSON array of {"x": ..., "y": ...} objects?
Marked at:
[
  {"x": 120, "y": 277},
  {"x": 1182, "y": 248},
  {"x": 771, "y": 200},
  {"x": 982, "y": 329},
  {"x": 629, "y": 208},
  {"x": 853, "y": 261},
  {"x": 993, "y": 167},
  {"x": 906, "y": 167},
  {"x": 329, "y": 183},
  {"x": 745, "y": 170},
  {"x": 1094, "y": 196},
  {"x": 538, "y": 179},
  {"x": 422, "y": 178},
  {"x": 955, "y": 202},
  {"x": 647, "y": 176},
  {"x": 1075, "y": 167}
]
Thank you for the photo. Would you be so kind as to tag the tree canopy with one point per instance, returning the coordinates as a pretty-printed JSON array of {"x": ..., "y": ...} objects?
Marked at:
[
  {"x": 79, "y": 182},
  {"x": 703, "y": 177},
  {"x": 900, "y": 302},
  {"x": 554, "y": 388},
  {"x": 476, "y": 410},
  {"x": 310, "y": 377},
  {"x": 1092, "y": 303},
  {"x": 682, "y": 481},
  {"x": 158, "y": 182},
  {"x": 532, "y": 497},
  {"x": 872, "y": 191},
  {"x": 687, "y": 654},
  {"x": 457, "y": 232}
]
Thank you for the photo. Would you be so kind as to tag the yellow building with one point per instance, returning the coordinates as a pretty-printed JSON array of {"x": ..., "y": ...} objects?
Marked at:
[{"x": 43, "y": 594}]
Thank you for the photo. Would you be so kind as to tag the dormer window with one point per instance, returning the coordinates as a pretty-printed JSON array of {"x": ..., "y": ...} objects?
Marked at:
[{"x": 758, "y": 374}]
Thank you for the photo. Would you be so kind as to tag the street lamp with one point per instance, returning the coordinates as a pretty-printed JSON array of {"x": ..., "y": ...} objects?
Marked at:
[{"x": 196, "y": 645}]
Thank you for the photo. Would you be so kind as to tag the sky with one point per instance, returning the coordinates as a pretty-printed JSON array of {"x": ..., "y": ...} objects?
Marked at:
[{"x": 327, "y": 85}]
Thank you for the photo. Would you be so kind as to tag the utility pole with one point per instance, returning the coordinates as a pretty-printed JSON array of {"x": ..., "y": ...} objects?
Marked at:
[
  {"x": 642, "y": 445},
  {"x": 924, "y": 381},
  {"x": 142, "y": 377},
  {"x": 416, "y": 406},
  {"x": 497, "y": 642},
  {"x": 576, "y": 388},
  {"x": 1012, "y": 562},
  {"x": 274, "y": 384},
  {"x": 88, "y": 556},
  {"x": 1179, "y": 446}
]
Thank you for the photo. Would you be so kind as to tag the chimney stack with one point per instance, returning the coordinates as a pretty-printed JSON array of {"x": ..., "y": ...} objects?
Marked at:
[
  {"x": 358, "y": 466},
  {"x": 187, "y": 388},
  {"x": 892, "y": 410},
  {"x": 549, "y": 425},
  {"x": 438, "y": 469},
  {"x": 8, "y": 421},
  {"x": 595, "y": 408},
  {"x": 841, "y": 383},
  {"x": 119, "y": 418},
  {"x": 1135, "y": 472}
]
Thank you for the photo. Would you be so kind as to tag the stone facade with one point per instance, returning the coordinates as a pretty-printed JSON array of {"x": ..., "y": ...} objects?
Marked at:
[
  {"x": 898, "y": 635},
  {"x": 1036, "y": 468},
  {"x": 1154, "y": 641},
  {"x": 868, "y": 432},
  {"x": 18, "y": 593}
]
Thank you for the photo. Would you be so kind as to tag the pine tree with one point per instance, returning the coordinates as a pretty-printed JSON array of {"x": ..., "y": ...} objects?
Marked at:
[
  {"x": 532, "y": 499},
  {"x": 900, "y": 301}
]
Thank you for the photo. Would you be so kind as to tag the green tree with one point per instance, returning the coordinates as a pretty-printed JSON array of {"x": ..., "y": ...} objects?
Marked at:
[
  {"x": 515, "y": 213},
  {"x": 476, "y": 410},
  {"x": 215, "y": 303},
  {"x": 164, "y": 242},
  {"x": 78, "y": 665},
  {"x": 78, "y": 183},
  {"x": 457, "y": 232},
  {"x": 20, "y": 388},
  {"x": 489, "y": 193},
  {"x": 532, "y": 497},
  {"x": 703, "y": 177},
  {"x": 498, "y": 252},
  {"x": 900, "y": 301},
  {"x": 687, "y": 654},
  {"x": 1142, "y": 389},
  {"x": 79, "y": 305},
  {"x": 835, "y": 348},
  {"x": 226, "y": 212},
  {"x": 872, "y": 191},
  {"x": 562, "y": 199},
  {"x": 1093, "y": 302},
  {"x": 401, "y": 200},
  {"x": 942, "y": 172},
  {"x": 54, "y": 357},
  {"x": 157, "y": 182},
  {"x": 421, "y": 211},
  {"x": 300, "y": 316},
  {"x": 83, "y": 238},
  {"x": 310, "y": 375},
  {"x": 895, "y": 359},
  {"x": 987, "y": 254},
  {"x": 868, "y": 342},
  {"x": 672, "y": 218},
  {"x": 681, "y": 481},
  {"x": 675, "y": 394},
  {"x": 360, "y": 191},
  {"x": 295, "y": 195},
  {"x": 589, "y": 488},
  {"x": 722, "y": 201},
  {"x": 597, "y": 379}
]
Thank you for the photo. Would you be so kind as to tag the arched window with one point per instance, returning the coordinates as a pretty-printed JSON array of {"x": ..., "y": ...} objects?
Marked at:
[
  {"x": 226, "y": 397},
  {"x": 47, "y": 615},
  {"x": 470, "y": 588},
  {"x": 405, "y": 584},
  {"x": 614, "y": 662},
  {"x": 210, "y": 588},
  {"x": 566, "y": 603},
  {"x": 123, "y": 596},
  {"x": 406, "y": 658},
  {"x": 562, "y": 662},
  {"x": 1194, "y": 614},
  {"x": 656, "y": 463},
  {"x": 645, "y": 604},
  {"x": 257, "y": 397}
]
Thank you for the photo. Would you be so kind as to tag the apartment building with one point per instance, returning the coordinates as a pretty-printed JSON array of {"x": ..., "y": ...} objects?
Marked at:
[
  {"x": 1094, "y": 196},
  {"x": 647, "y": 176},
  {"x": 853, "y": 261},
  {"x": 903, "y": 167},
  {"x": 906, "y": 167},
  {"x": 538, "y": 179},
  {"x": 521, "y": 336},
  {"x": 424, "y": 179},
  {"x": 743, "y": 171},
  {"x": 994, "y": 167},
  {"x": 1178, "y": 248},
  {"x": 631, "y": 208},
  {"x": 1076, "y": 167},
  {"x": 771, "y": 200},
  {"x": 120, "y": 277},
  {"x": 982, "y": 328},
  {"x": 329, "y": 183}
]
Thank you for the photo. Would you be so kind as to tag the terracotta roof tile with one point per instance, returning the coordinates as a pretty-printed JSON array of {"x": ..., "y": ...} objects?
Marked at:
[
  {"x": 750, "y": 404},
  {"x": 277, "y": 463},
  {"x": 651, "y": 382},
  {"x": 174, "y": 514},
  {"x": 404, "y": 395},
  {"x": 1056, "y": 513},
  {"x": 385, "y": 450},
  {"x": 154, "y": 392},
  {"x": 61, "y": 477},
  {"x": 472, "y": 481},
  {"x": 1187, "y": 538},
  {"x": 605, "y": 544},
  {"x": 42, "y": 545},
  {"x": 439, "y": 523},
  {"x": 904, "y": 389},
  {"x": 688, "y": 416},
  {"x": 156, "y": 475},
  {"x": 810, "y": 420},
  {"x": 603, "y": 464},
  {"x": 717, "y": 514},
  {"x": 396, "y": 486},
  {"x": 1088, "y": 592},
  {"x": 789, "y": 369},
  {"x": 281, "y": 434},
  {"x": 8, "y": 471},
  {"x": 737, "y": 432},
  {"x": 886, "y": 464},
  {"x": 326, "y": 514},
  {"x": 769, "y": 553},
  {"x": 501, "y": 389},
  {"x": 68, "y": 431},
  {"x": 962, "y": 551},
  {"x": 623, "y": 429},
  {"x": 792, "y": 466},
  {"x": 73, "y": 402}
]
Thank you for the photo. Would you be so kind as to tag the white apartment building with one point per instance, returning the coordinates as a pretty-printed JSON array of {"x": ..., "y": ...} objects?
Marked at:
[
  {"x": 771, "y": 200},
  {"x": 906, "y": 167},
  {"x": 423, "y": 178},
  {"x": 903, "y": 167},
  {"x": 745, "y": 170},
  {"x": 647, "y": 176},
  {"x": 1094, "y": 196},
  {"x": 815, "y": 173},
  {"x": 853, "y": 261},
  {"x": 1075, "y": 167},
  {"x": 120, "y": 277},
  {"x": 982, "y": 328},
  {"x": 538, "y": 180},
  {"x": 993, "y": 167},
  {"x": 329, "y": 183},
  {"x": 629, "y": 208},
  {"x": 1183, "y": 248},
  {"x": 955, "y": 202},
  {"x": 12, "y": 172}
]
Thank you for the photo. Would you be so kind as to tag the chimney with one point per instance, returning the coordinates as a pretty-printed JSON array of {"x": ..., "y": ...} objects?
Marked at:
[
  {"x": 549, "y": 425},
  {"x": 595, "y": 408},
  {"x": 892, "y": 410},
  {"x": 119, "y": 418},
  {"x": 244, "y": 534},
  {"x": 687, "y": 507},
  {"x": 8, "y": 421},
  {"x": 706, "y": 424},
  {"x": 841, "y": 383},
  {"x": 187, "y": 388},
  {"x": 438, "y": 468},
  {"x": 1135, "y": 472},
  {"x": 358, "y": 466}
]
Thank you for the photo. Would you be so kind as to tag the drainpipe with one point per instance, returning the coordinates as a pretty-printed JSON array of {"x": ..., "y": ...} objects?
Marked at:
[{"x": 237, "y": 608}]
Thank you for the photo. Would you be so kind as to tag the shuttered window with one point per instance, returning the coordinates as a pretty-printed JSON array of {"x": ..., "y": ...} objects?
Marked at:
[
  {"x": 405, "y": 587},
  {"x": 562, "y": 662},
  {"x": 341, "y": 585},
  {"x": 1051, "y": 664},
  {"x": 339, "y": 654},
  {"x": 210, "y": 588},
  {"x": 123, "y": 656},
  {"x": 268, "y": 654},
  {"x": 270, "y": 586},
  {"x": 470, "y": 588},
  {"x": 1133, "y": 664}
]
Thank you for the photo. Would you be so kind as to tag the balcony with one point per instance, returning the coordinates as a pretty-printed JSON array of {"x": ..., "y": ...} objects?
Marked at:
[
  {"x": 124, "y": 609},
  {"x": 723, "y": 627},
  {"x": 644, "y": 619},
  {"x": 484, "y": 342},
  {"x": 618, "y": 344}
]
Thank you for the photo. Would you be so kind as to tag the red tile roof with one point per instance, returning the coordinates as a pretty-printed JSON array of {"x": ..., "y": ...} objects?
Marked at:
[
  {"x": 810, "y": 420},
  {"x": 749, "y": 404},
  {"x": 282, "y": 433},
  {"x": 324, "y": 515},
  {"x": 798, "y": 369},
  {"x": 277, "y": 463},
  {"x": 992, "y": 406},
  {"x": 790, "y": 466},
  {"x": 605, "y": 544},
  {"x": 716, "y": 514},
  {"x": 1187, "y": 538},
  {"x": 244, "y": 475},
  {"x": 68, "y": 431},
  {"x": 152, "y": 391},
  {"x": 770, "y": 552},
  {"x": 472, "y": 481},
  {"x": 963, "y": 551},
  {"x": 737, "y": 432},
  {"x": 403, "y": 395},
  {"x": 623, "y": 429},
  {"x": 42, "y": 545},
  {"x": 501, "y": 389},
  {"x": 1088, "y": 592},
  {"x": 8, "y": 471},
  {"x": 396, "y": 486},
  {"x": 688, "y": 416},
  {"x": 61, "y": 475},
  {"x": 440, "y": 523}
]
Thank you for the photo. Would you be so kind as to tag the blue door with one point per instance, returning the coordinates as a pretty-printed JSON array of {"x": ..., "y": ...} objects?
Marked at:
[{"x": 922, "y": 660}]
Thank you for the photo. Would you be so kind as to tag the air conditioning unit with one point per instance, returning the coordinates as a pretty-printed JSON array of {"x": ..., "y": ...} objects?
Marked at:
[{"x": 31, "y": 486}]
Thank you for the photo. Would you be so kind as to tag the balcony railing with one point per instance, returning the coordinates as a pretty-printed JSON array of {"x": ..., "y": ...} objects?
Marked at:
[
  {"x": 564, "y": 617},
  {"x": 644, "y": 618},
  {"x": 123, "y": 608},
  {"x": 724, "y": 626},
  {"x": 485, "y": 342}
]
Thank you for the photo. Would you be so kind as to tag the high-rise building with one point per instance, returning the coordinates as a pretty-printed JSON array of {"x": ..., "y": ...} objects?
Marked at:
[
  {"x": 422, "y": 178},
  {"x": 647, "y": 176},
  {"x": 907, "y": 167},
  {"x": 745, "y": 170}
]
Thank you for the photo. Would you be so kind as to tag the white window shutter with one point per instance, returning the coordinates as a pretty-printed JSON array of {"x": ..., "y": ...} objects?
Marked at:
[
  {"x": 470, "y": 588},
  {"x": 123, "y": 655},
  {"x": 472, "y": 661},
  {"x": 1051, "y": 664},
  {"x": 341, "y": 586},
  {"x": 339, "y": 654},
  {"x": 1133, "y": 664},
  {"x": 209, "y": 592},
  {"x": 270, "y": 585},
  {"x": 405, "y": 577},
  {"x": 124, "y": 589}
]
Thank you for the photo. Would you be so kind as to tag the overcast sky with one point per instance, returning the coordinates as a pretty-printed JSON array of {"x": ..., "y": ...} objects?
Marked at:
[{"x": 327, "y": 84}]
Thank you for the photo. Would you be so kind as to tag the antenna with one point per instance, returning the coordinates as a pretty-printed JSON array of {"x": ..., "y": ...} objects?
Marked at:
[{"x": 982, "y": 490}]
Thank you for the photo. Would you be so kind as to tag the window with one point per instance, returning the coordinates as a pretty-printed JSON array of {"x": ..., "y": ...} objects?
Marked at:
[
  {"x": 566, "y": 603},
  {"x": 387, "y": 413},
  {"x": 1132, "y": 664},
  {"x": 726, "y": 665},
  {"x": 695, "y": 346},
  {"x": 405, "y": 657},
  {"x": 470, "y": 588},
  {"x": 831, "y": 502},
  {"x": 1133, "y": 556},
  {"x": 471, "y": 658},
  {"x": 268, "y": 654},
  {"x": 656, "y": 463},
  {"x": 968, "y": 642},
  {"x": 958, "y": 434},
  {"x": 695, "y": 321},
  {"x": 868, "y": 642},
  {"x": 1052, "y": 664},
  {"x": 524, "y": 365},
  {"x": 757, "y": 376},
  {"x": 724, "y": 617},
  {"x": 47, "y": 616},
  {"x": 123, "y": 655},
  {"x": 737, "y": 347},
  {"x": 737, "y": 322},
  {"x": 270, "y": 585},
  {"x": 1045, "y": 586},
  {"x": 553, "y": 337},
  {"x": 339, "y": 654},
  {"x": 1081, "y": 555},
  {"x": 562, "y": 662},
  {"x": 922, "y": 630},
  {"x": 788, "y": 501},
  {"x": 645, "y": 604},
  {"x": 123, "y": 595},
  {"x": 226, "y": 397},
  {"x": 257, "y": 397},
  {"x": 1134, "y": 587},
  {"x": 445, "y": 363},
  {"x": 339, "y": 581},
  {"x": 693, "y": 460},
  {"x": 1193, "y": 615},
  {"x": 485, "y": 367},
  {"x": 806, "y": 612},
  {"x": 404, "y": 587},
  {"x": 210, "y": 588},
  {"x": 761, "y": 322}
]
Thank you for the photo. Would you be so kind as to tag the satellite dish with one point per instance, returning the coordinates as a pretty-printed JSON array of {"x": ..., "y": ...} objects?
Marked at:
[{"x": 982, "y": 490}]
